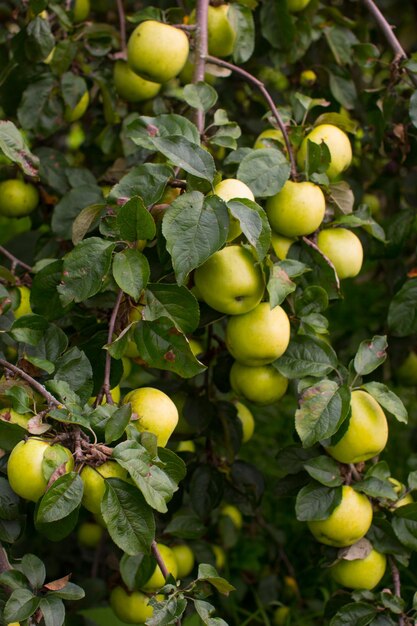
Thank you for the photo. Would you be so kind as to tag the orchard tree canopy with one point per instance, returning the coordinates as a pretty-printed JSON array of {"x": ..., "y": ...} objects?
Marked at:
[{"x": 208, "y": 312}]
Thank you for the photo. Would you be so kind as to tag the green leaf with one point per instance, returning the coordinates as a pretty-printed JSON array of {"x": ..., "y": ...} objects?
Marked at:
[
  {"x": 86, "y": 220},
  {"x": 316, "y": 502},
  {"x": 376, "y": 488},
  {"x": 186, "y": 155},
  {"x": 128, "y": 518},
  {"x": 44, "y": 297},
  {"x": 306, "y": 356},
  {"x": 324, "y": 470},
  {"x": 404, "y": 524},
  {"x": 39, "y": 40},
  {"x": 206, "y": 490},
  {"x": 341, "y": 40},
  {"x": 9, "y": 501},
  {"x": 29, "y": 329},
  {"x": 147, "y": 181},
  {"x": 134, "y": 221},
  {"x": 176, "y": 303},
  {"x": 277, "y": 24},
  {"x": 63, "y": 497},
  {"x": 74, "y": 368},
  {"x": 370, "y": 355},
  {"x": 209, "y": 574},
  {"x": 254, "y": 224},
  {"x": 341, "y": 196},
  {"x": 195, "y": 227},
  {"x": 265, "y": 171},
  {"x": 73, "y": 88},
  {"x": 205, "y": 611},
  {"x": 13, "y": 579},
  {"x": 200, "y": 96},
  {"x": 358, "y": 613},
  {"x": 10, "y": 530},
  {"x": 14, "y": 147},
  {"x": 362, "y": 217},
  {"x": 185, "y": 527},
  {"x": 10, "y": 435},
  {"x": 131, "y": 272},
  {"x": 136, "y": 570},
  {"x": 117, "y": 422},
  {"x": 34, "y": 570},
  {"x": 71, "y": 205},
  {"x": 402, "y": 312},
  {"x": 70, "y": 592},
  {"x": 142, "y": 131},
  {"x": 53, "y": 610},
  {"x": 279, "y": 285},
  {"x": 85, "y": 269},
  {"x": 388, "y": 400},
  {"x": 241, "y": 19},
  {"x": 21, "y": 605},
  {"x": 167, "y": 611}
]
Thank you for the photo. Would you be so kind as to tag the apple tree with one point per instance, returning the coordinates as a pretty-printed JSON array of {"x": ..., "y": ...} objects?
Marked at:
[{"x": 208, "y": 312}]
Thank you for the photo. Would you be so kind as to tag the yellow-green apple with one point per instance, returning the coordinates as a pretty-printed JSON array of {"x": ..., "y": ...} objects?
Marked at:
[
  {"x": 297, "y": 210},
  {"x": 258, "y": 337},
  {"x": 184, "y": 557},
  {"x": 344, "y": 249},
  {"x": 308, "y": 78},
  {"x": 196, "y": 347},
  {"x": 233, "y": 513},
  {"x": 89, "y": 534},
  {"x": 132, "y": 87},
  {"x": 230, "y": 281},
  {"x": 227, "y": 190},
  {"x": 367, "y": 433},
  {"x": 297, "y": 5},
  {"x": 269, "y": 139},
  {"x": 399, "y": 488},
  {"x": 360, "y": 573},
  {"x": 28, "y": 474},
  {"x": 94, "y": 483},
  {"x": 281, "y": 245},
  {"x": 75, "y": 113},
  {"x": 220, "y": 32},
  {"x": 10, "y": 415},
  {"x": 339, "y": 147},
  {"x": 154, "y": 411},
  {"x": 157, "y": 51},
  {"x": 17, "y": 198},
  {"x": 23, "y": 308},
  {"x": 157, "y": 580},
  {"x": 261, "y": 385},
  {"x": 373, "y": 202},
  {"x": 80, "y": 10},
  {"x": 131, "y": 608},
  {"x": 349, "y": 521},
  {"x": 247, "y": 420},
  {"x": 186, "y": 446},
  {"x": 280, "y": 616},
  {"x": 219, "y": 556}
]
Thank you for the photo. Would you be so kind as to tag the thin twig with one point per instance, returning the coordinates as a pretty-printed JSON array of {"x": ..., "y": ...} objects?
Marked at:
[
  {"x": 315, "y": 247},
  {"x": 32, "y": 382},
  {"x": 200, "y": 53},
  {"x": 259, "y": 84},
  {"x": 4, "y": 560},
  {"x": 397, "y": 584},
  {"x": 354, "y": 472},
  {"x": 105, "y": 390},
  {"x": 14, "y": 260},
  {"x": 159, "y": 559},
  {"x": 122, "y": 24}
]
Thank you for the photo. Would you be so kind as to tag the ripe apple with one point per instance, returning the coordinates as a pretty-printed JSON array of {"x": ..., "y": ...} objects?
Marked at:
[
  {"x": 10, "y": 415},
  {"x": 130, "y": 86},
  {"x": 308, "y": 78},
  {"x": 261, "y": 385},
  {"x": 186, "y": 446},
  {"x": 281, "y": 245},
  {"x": 220, "y": 33},
  {"x": 95, "y": 485},
  {"x": 227, "y": 190},
  {"x": 339, "y": 147},
  {"x": 157, "y": 51},
  {"x": 400, "y": 488},
  {"x": 297, "y": 5},
  {"x": 258, "y": 337},
  {"x": 156, "y": 412},
  {"x": 344, "y": 249},
  {"x": 28, "y": 476},
  {"x": 89, "y": 534},
  {"x": 297, "y": 210},
  {"x": 349, "y": 522},
  {"x": 17, "y": 198},
  {"x": 247, "y": 420},
  {"x": 184, "y": 557},
  {"x": 74, "y": 114},
  {"x": 367, "y": 433},
  {"x": 269, "y": 139},
  {"x": 219, "y": 556},
  {"x": 231, "y": 511},
  {"x": 80, "y": 10},
  {"x": 229, "y": 281},
  {"x": 157, "y": 580},
  {"x": 23, "y": 307},
  {"x": 360, "y": 573},
  {"x": 196, "y": 347},
  {"x": 132, "y": 608}
]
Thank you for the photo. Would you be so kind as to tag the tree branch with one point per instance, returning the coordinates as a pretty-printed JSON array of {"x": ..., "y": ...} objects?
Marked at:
[
  {"x": 397, "y": 584},
  {"x": 14, "y": 260},
  {"x": 200, "y": 53},
  {"x": 105, "y": 390},
  {"x": 159, "y": 559},
  {"x": 122, "y": 24},
  {"x": 259, "y": 84},
  {"x": 32, "y": 382}
]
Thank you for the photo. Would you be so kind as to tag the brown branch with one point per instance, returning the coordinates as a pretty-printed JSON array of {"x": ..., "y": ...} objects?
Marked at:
[
  {"x": 354, "y": 472},
  {"x": 259, "y": 84},
  {"x": 200, "y": 53},
  {"x": 315, "y": 247},
  {"x": 122, "y": 24},
  {"x": 105, "y": 390},
  {"x": 159, "y": 559},
  {"x": 32, "y": 382},
  {"x": 397, "y": 584},
  {"x": 14, "y": 260}
]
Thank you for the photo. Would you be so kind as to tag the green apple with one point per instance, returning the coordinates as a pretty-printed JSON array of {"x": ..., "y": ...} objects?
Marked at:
[
  {"x": 89, "y": 534},
  {"x": 17, "y": 198},
  {"x": 339, "y": 147},
  {"x": 130, "y": 86},
  {"x": 407, "y": 372},
  {"x": 400, "y": 488},
  {"x": 247, "y": 420},
  {"x": 184, "y": 557},
  {"x": 219, "y": 556},
  {"x": 196, "y": 347},
  {"x": 373, "y": 202},
  {"x": 269, "y": 139},
  {"x": 297, "y": 210},
  {"x": 10, "y": 415},
  {"x": 23, "y": 307},
  {"x": 80, "y": 10},
  {"x": 280, "y": 617},
  {"x": 220, "y": 33},
  {"x": 229, "y": 189},
  {"x": 132, "y": 608},
  {"x": 233, "y": 513},
  {"x": 349, "y": 522},
  {"x": 308, "y": 78},
  {"x": 155, "y": 412},
  {"x": 74, "y": 114},
  {"x": 297, "y": 5},
  {"x": 31, "y": 465},
  {"x": 261, "y": 385},
  {"x": 281, "y": 245},
  {"x": 344, "y": 249},
  {"x": 186, "y": 446},
  {"x": 230, "y": 281},
  {"x": 260, "y": 336},
  {"x": 157, "y": 580},
  {"x": 360, "y": 573},
  {"x": 367, "y": 433},
  {"x": 94, "y": 483},
  {"x": 157, "y": 51}
]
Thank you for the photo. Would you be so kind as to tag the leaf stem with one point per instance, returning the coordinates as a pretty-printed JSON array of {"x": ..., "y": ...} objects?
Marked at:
[
  {"x": 260, "y": 85},
  {"x": 32, "y": 382},
  {"x": 14, "y": 260},
  {"x": 200, "y": 53},
  {"x": 122, "y": 24},
  {"x": 105, "y": 390}
]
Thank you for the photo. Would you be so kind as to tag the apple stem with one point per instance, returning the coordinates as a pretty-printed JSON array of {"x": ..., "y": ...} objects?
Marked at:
[
  {"x": 105, "y": 390},
  {"x": 159, "y": 559},
  {"x": 14, "y": 260},
  {"x": 32, "y": 382},
  {"x": 200, "y": 54},
  {"x": 354, "y": 472},
  {"x": 260, "y": 85},
  {"x": 315, "y": 247},
  {"x": 122, "y": 24}
]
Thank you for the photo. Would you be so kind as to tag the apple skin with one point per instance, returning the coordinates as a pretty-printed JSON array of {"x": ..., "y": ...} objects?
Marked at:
[
  {"x": 95, "y": 485},
  {"x": 398, "y": 488},
  {"x": 360, "y": 573},
  {"x": 81, "y": 10},
  {"x": 157, "y": 580},
  {"x": 247, "y": 420},
  {"x": 234, "y": 514},
  {"x": 227, "y": 190},
  {"x": 349, "y": 522},
  {"x": 17, "y": 198},
  {"x": 344, "y": 249},
  {"x": 260, "y": 336},
  {"x": 220, "y": 33},
  {"x": 184, "y": 557},
  {"x": 297, "y": 210},
  {"x": 261, "y": 385},
  {"x": 157, "y": 51},
  {"x": 339, "y": 146},
  {"x": 156, "y": 412},
  {"x": 31, "y": 484},
  {"x": 294, "y": 6},
  {"x": 89, "y": 534},
  {"x": 72, "y": 115},
  {"x": 281, "y": 245},
  {"x": 186, "y": 446},
  {"x": 367, "y": 433},
  {"x": 269, "y": 134},
  {"x": 24, "y": 307},
  {"x": 130, "y": 86},
  {"x": 132, "y": 608},
  {"x": 219, "y": 556},
  {"x": 229, "y": 281},
  {"x": 308, "y": 78}
]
